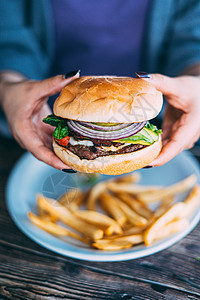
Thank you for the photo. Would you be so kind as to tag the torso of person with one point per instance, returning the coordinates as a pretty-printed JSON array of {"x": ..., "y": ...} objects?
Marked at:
[{"x": 99, "y": 37}]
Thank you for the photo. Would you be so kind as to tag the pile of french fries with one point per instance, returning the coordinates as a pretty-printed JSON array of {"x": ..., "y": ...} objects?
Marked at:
[{"x": 126, "y": 218}]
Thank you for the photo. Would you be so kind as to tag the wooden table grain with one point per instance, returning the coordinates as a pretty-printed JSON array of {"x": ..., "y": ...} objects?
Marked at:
[{"x": 28, "y": 271}]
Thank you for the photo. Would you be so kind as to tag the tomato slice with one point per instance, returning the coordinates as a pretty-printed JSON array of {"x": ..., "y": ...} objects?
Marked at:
[{"x": 64, "y": 141}]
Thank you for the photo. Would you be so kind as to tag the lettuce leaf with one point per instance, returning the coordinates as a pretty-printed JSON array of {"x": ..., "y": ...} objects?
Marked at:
[
  {"x": 61, "y": 130},
  {"x": 153, "y": 128},
  {"x": 54, "y": 120}
]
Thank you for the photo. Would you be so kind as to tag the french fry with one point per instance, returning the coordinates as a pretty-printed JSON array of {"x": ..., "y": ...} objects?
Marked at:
[
  {"x": 73, "y": 207},
  {"x": 172, "y": 213},
  {"x": 71, "y": 196},
  {"x": 94, "y": 194},
  {"x": 67, "y": 217},
  {"x": 179, "y": 187},
  {"x": 132, "y": 238},
  {"x": 138, "y": 206},
  {"x": 191, "y": 202},
  {"x": 42, "y": 213},
  {"x": 131, "y": 215},
  {"x": 46, "y": 216},
  {"x": 106, "y": 223},
  {"x": 76, "y": 203},
  {"x": 162, "y": 208},
  {"x": 53, "y": 228},
  {"x": 114, "y": 242},
  {"x": 183, "y": 185},
  {"x": 134, "y": 230},
  {"x": 127, "y": 226},
  {"x": 172, "y": 227},
  {"x": 164, "y": 205},
  {"x": 108, "y": 203},
  {"x": 112, "y": 229},
  {"x": 131, "y": 188},
  {"x": 111, "y": 245},
  {"x": 129, "y": 178}
]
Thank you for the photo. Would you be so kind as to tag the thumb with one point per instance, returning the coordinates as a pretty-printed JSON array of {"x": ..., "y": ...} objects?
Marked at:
[
  {"x": 169, "y": 86},
  {"x": 53, "y": 85}
]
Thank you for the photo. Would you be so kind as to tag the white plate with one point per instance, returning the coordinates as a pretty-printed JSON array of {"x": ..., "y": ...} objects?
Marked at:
[{"x": 31, "y": 176}]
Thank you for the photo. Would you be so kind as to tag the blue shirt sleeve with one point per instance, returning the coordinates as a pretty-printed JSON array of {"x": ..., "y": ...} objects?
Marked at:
[
  {"x": 24, "y": 44},
  {"x": 183, "y": 43}
]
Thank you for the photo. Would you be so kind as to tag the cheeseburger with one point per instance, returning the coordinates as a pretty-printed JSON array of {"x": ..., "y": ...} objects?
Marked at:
[{"x": 102, "y": 124}]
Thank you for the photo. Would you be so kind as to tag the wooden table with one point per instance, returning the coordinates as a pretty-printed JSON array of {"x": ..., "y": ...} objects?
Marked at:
[{"x": 28, "y": 271}]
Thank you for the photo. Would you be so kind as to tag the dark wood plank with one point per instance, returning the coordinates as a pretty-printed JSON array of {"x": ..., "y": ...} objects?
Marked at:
[
  {"x": 10, "y": 152},
  {"x": 27, "y": 276}
]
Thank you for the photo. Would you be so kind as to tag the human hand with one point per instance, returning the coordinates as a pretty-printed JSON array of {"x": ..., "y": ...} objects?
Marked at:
[
  {"x": 24, "y": 104},
  {"x": 181, "y": 121}
]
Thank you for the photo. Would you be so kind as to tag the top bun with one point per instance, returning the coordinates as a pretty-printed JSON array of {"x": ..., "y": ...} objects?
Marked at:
[{"x": 108, "y": 99}]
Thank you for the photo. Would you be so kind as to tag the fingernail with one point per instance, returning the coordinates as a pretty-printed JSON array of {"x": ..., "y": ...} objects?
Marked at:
[
  {"x": 148, "y": 167},
  {"x": 72, "y": 73},
  {"x": 142, "y": 75},
  {"x": 69, "y": 171}
]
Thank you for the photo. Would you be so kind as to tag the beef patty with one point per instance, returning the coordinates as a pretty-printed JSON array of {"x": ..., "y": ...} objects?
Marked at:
[{"x": 92, "y": 152}]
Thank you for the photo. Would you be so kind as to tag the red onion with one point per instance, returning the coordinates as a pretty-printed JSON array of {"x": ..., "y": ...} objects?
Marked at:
[
  {"x": 129, "y": 130},
  {"x": 105, "y": 128}
]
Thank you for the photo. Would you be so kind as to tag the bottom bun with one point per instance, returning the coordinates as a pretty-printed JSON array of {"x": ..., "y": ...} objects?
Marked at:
[{"x": 110, "y": 165}]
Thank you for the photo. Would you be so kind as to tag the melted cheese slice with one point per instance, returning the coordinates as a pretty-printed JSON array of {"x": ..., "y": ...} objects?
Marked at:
[{"x": 113, "y": 148}]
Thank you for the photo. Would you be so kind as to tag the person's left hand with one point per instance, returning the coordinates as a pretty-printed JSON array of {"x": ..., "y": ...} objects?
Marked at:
[{"x": 181, "y": 121}]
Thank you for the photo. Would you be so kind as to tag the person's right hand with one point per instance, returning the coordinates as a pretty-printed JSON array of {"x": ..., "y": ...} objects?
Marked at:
[{"x": 24, "y": 104}]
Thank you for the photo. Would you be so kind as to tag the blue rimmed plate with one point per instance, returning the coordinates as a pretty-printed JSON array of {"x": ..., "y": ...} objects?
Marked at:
[{"x": 30, "y": 177}]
